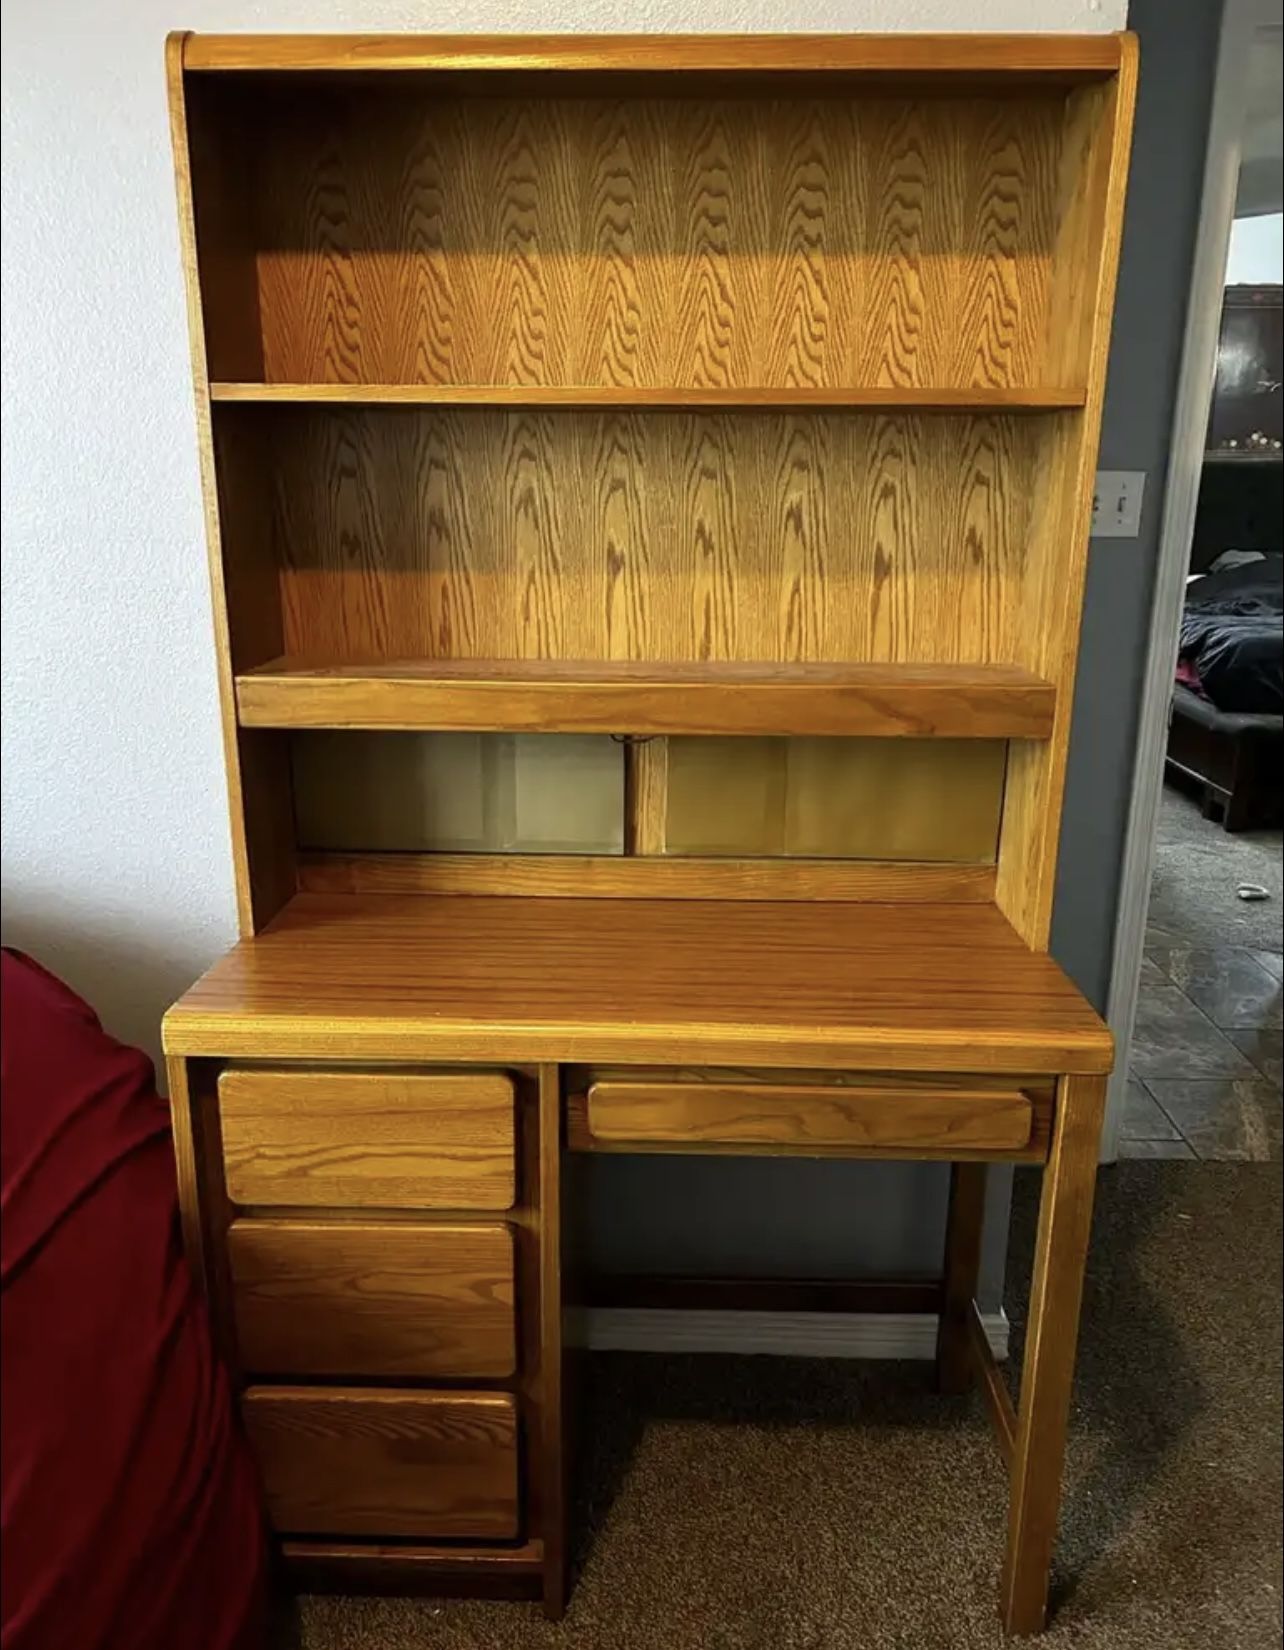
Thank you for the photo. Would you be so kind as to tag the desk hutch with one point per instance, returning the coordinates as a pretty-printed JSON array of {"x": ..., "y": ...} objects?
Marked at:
[{"x": 648, "y": 484}]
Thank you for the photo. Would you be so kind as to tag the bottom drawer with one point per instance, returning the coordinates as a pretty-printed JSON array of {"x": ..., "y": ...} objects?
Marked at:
[{"x": 342, "y": 1461}]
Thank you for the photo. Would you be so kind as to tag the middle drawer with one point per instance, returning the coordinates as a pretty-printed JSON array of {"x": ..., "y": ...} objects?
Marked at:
[{"x": 373, "y": 1298}]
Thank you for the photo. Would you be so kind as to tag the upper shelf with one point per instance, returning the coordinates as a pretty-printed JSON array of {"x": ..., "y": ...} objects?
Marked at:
[
  {"x": 537, "y": 696},
  {"x": 675, "y": 398},
  {"x": 1057, "y": 58}
]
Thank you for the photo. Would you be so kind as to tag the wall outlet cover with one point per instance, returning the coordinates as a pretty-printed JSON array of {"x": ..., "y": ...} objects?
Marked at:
[{"x": 1116, "y": 505}]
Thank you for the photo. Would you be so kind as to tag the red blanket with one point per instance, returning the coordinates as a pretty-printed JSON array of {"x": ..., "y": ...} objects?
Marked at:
[{"x": 130, "y": 1513}]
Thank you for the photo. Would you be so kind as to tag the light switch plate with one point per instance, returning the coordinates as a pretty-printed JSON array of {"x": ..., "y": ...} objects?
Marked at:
[{"x": 1116, "y": 506}]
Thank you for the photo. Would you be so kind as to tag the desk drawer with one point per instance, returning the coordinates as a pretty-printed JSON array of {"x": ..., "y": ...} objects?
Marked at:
[
  {"x": 747, "y": 1116},
  {"x": 369, "y": 1298},
  {"x": 344, "y": 1461},
  {"x": 368, "y": 1140}
]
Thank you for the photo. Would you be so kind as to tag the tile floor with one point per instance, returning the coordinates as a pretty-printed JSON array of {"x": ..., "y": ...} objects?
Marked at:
[{"x": 1205, "y": 1071}]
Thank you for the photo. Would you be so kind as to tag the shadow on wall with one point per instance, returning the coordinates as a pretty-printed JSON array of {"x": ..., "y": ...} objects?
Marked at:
[{"x": 129, "y": 976}]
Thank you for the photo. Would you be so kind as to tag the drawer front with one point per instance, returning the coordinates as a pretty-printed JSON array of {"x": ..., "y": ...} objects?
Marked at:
[
  {"x": 344, "y": 1461},
  {"x": 749, "y": 1116},
  {"x": 367, "y": 1298},
  {"x": 368, "y": 1140}
]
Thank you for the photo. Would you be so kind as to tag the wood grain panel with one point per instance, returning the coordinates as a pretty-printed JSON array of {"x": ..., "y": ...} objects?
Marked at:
[
  {"x": 704, "y": 241},
  {"x": 560, "y": 696},
  {"x": 361, "y": 1139},
  {"x": 336, "y": 1461},
  {"x": 759, "y": 537},
  {"x": 766, "y": 1117},
  {"x": 356, "y": 1298},
  {"x": 1092, "y": 185},
  {"x": 733, "y": 982},
  {"x": 993, "y": 58},
  {"x": 631, "y": 877},
  {"x": 927, "y": 800}
]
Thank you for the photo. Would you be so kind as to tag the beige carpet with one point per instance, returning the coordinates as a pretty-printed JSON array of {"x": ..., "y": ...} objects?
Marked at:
[{"x": 770, "y": 1504}]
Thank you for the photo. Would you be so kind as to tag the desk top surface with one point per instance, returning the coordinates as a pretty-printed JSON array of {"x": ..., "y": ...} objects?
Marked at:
[{"x": 423, "y": 978}]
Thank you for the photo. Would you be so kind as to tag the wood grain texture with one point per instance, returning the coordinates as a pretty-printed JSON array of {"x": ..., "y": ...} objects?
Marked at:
[
  {"x": 927, "y": 801},
  {"x": 894, "y": 987},
  {"x": 550, "y": 1503},
  {"x": 360, "y": 1298},
  {"x": 617, "y": 696},
  {"x": 712, "y": 242},
  {"x": 241, "y": 577},
  {"x": 993, "y": 1384},
  {"x": 363, "y": 1139},
  {"x": 409, "y": 1569},
  {"x": 1031, "y": 398},
  {"x": 1092, "y": 190},
  {"x": 577, "y": 876},
  {"x": 1047, "y": 1376},
  {"x": 702, "y": 1116},
  {"x": 754, "y": 537},
  {"x": 1059, "y": 57},
  {"x": 338, "y": 1461},
  {"x": 964, "y": 1228}
]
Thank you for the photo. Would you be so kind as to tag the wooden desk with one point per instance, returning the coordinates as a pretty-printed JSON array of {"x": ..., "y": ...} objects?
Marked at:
[
  {"x": 842, "y": 1030},
  {"x": 647, "y": 492}
]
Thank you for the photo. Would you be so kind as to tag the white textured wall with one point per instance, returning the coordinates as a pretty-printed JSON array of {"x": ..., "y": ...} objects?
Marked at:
[
  {"x": 1256, "y": 254},
  {"x": 116, "y": 864}
]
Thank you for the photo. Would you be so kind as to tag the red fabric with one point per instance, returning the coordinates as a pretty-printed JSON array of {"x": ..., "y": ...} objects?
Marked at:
[{"x": 129, "y": 1512}]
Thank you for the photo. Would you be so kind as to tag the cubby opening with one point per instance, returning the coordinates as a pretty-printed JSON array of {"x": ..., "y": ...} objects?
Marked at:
[{"x": 825, "y": 234}]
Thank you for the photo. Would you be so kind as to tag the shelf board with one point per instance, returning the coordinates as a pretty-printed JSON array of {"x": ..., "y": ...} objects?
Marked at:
[
  {"x": 651, "y": 398},
  {"x": 532, "y": 696},
  {"x": 442, "y": 977},
  {"x": 1057, "y": 59}
]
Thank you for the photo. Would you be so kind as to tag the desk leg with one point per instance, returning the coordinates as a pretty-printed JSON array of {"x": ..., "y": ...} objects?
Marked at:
[
  {"x": 1065, "y": 1216},
  {"x": 963, "y": 1228}
]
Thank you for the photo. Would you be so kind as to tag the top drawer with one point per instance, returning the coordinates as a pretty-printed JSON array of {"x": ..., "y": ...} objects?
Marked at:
[{"x": 368, "y": 1140}]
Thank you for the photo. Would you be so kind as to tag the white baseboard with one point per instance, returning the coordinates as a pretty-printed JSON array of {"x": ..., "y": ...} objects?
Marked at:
[{"x": 784, "y": 1334}]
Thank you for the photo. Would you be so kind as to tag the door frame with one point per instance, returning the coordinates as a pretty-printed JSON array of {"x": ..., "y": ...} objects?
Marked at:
[{"x": 1240, "y": 22}]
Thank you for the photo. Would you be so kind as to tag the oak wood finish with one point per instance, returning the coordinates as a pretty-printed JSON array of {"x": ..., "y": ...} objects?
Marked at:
[
  {"x": 406, "y": 1569},
  {"x": 381, "y": 977},
  {"x": 581, "y": 876},
  {"x": 889, "y": 398},
  {"x": 994, "y": 1386},
  {"x": 716, "y": 241},
  {"x": 908, "y": 701},
  {"x": 1065, "y": 1219},
  {"x": 364, "y": 1139},
  {"x": 773, "y": 1117},
  {"x": 363, "y": 1298},
  {"x": 1092, "y": 188},
  {"x": 357, "y": 1461},
  {"x": 258, "y": 795},
  {"x": 746, "y": 389},
  {"x": 1062, "y": 58},
  {"x": 757, "y": 538},
  {"x": 964, "y": 1225}
]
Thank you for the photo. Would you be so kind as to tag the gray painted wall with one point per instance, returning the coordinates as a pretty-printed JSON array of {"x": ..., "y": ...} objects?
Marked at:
[{"x": 1178, "y": 62}]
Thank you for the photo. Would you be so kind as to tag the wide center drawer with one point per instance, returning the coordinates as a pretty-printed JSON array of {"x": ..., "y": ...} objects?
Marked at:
[
  {"x": 373, "y": 1298},
  {"x": 343, "y": 1461},
  {"x": 647, "y": 1112},
  {"x": 368, "y": 1139}
]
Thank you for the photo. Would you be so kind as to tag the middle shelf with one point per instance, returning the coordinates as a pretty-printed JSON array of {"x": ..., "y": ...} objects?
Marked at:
[{"x": 964, "y": 701}]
